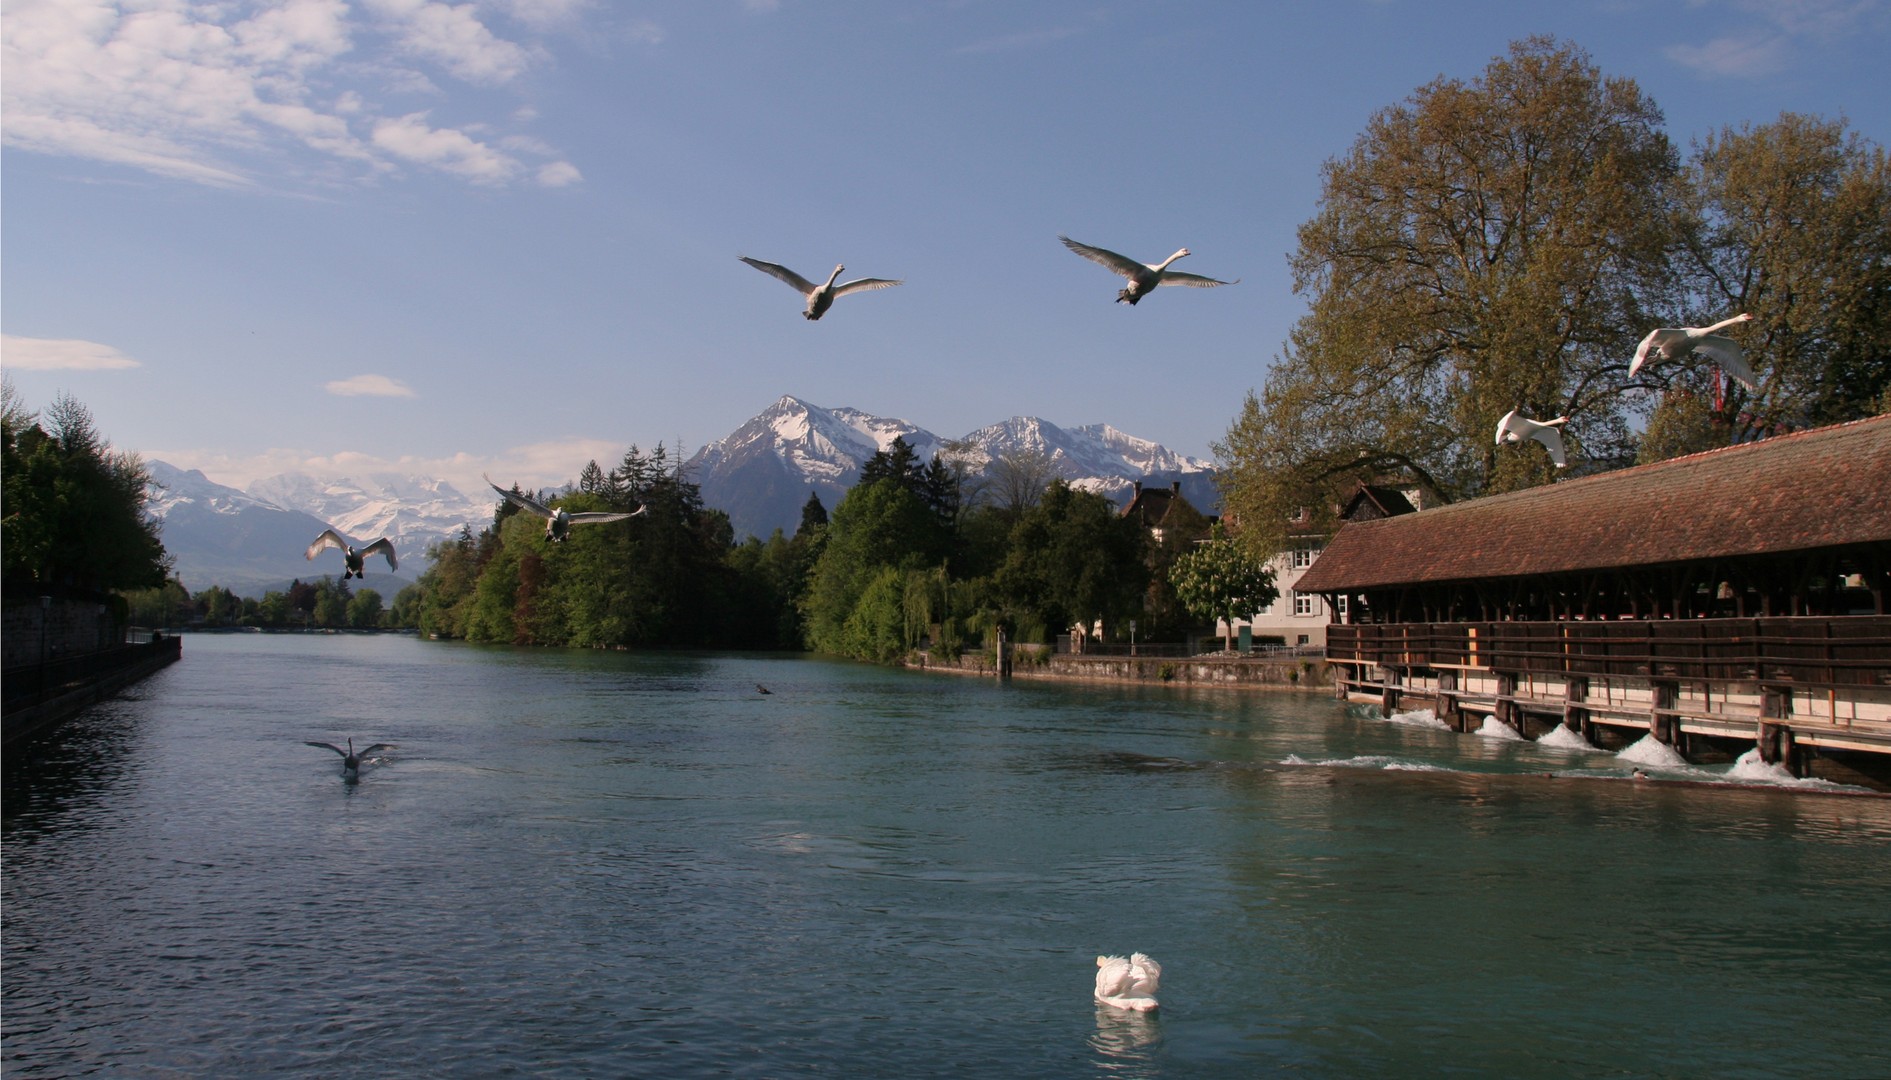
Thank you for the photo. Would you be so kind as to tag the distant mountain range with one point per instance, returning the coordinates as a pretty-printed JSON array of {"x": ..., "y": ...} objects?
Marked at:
[
  {"x": 252, "y": 541},
  {"x": 760, "y": 475}
]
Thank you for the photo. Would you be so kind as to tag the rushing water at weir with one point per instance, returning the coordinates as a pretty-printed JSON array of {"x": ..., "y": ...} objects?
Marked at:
[{"x": 605, "y": 864}]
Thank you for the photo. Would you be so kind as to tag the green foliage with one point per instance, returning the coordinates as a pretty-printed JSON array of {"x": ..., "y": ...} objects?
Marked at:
[
  {"x": 1220, "y": 580},
  {"x": 1791, "y": 222},
  {"x": 878, "y": 526},
  {"x": 73, "y": 507},
  {"x": 1073, "y": 559}
]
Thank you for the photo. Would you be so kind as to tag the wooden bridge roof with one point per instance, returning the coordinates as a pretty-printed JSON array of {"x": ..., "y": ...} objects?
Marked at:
[{"x": 1827, "y": 487}]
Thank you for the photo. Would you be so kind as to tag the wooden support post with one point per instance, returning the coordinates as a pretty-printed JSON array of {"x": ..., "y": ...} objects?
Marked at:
[
  {"x": 1660, "y": 720},
  {"x": 1506, "y": 711},
  {"x": 1575, "y": 692},
  {"x": 1447, "y": 707},
  {"x": 1775, "y": 735},
  {"x": 1389, "y": 691}
]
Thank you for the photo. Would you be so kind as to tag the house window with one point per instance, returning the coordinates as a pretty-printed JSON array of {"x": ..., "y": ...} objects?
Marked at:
[
  {"x": 1303, "y": 604},
  {"x": 1340, "y": 606},
  {"x": 1303, "y": 557}
]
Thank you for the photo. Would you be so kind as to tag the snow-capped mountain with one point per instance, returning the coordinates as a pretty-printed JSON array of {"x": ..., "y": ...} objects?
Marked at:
[
  {"x": 218, "y": 535},
  {"x": 761, "y": 473},
  {"x": 415, "y": 512}
]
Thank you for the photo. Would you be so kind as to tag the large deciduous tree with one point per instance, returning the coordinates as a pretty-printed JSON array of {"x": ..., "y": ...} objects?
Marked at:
[
  {"x": 1483, "y": 246},
  {"x": 1791, "y": 222}
]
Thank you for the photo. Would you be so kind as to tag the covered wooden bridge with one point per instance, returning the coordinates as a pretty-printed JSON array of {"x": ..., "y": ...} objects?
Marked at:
[{"x": 1735, "y": 596}]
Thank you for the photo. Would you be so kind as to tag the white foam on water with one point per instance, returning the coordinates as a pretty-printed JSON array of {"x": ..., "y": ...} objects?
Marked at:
[
  {"x": 1494, "y": 728},
  {"x": 1653, "y": 752},
  {"x": 1424, "y": 718},
  {"x": 1749, "y": 769},
  {"x": 1365, "y": 761},
  {"x": 1565, "y": 738}
]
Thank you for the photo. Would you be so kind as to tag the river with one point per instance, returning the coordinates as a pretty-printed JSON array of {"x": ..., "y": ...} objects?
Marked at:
[{"x": 609, "y": 864}]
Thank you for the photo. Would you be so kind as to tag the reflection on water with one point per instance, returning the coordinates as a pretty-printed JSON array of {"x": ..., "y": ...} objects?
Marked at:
[
  {"x": 1125, "y": 1042},
  {"x": 588, "y": 863}
]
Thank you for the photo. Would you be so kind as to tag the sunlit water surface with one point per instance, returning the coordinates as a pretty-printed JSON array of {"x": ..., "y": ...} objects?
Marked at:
[{"x": 603, "y": 864}]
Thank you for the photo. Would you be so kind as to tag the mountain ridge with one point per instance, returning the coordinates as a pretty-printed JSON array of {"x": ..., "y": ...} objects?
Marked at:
[{"x": 760, "y": 474}]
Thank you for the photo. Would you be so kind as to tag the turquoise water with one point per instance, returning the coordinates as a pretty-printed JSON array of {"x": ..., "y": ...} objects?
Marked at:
[{"x": 605, "y": 864}]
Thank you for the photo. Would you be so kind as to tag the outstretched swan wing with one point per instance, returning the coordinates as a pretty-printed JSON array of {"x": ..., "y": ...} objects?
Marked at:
[
  {"x": 329, "y": 539},
  {"x": 1176, "y": 277},
  {"x": 594, "y": 517},
  {"x": 383, "y": 546},
  {"x": 328, "y": 746},
  {"x": 775, "y": 270},
  {"x": 365, "y": 751},
  {"x": 522, "y": 501},
  {"x": 1121, "y": 264},
  {"x": 863, "y": 285}
]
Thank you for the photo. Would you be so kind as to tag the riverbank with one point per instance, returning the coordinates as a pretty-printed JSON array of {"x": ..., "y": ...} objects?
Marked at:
[
  {"x": 1300, "y": 673},
  {"x": 50, "y": 694}
]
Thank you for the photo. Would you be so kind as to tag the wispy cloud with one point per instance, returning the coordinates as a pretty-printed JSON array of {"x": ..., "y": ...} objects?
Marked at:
[
  {"x": 61, "y": 354},
  {"x": 226, "y": 94},
  {"x": 1778, "y": 31},
  {"x": 370, "y": 386}
]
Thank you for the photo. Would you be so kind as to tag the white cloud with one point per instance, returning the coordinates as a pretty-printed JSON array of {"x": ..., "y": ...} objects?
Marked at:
[
  {"x": 1756, "y": 54},
  {"x": 227, "y": 94},
  {"x": 60, "y": 354},
  {"x": 410, "y": 139},
  {"x": 558, "y": 174},
  {"x": 369, "y": 386},
  {"x": 454, "y": 37}
]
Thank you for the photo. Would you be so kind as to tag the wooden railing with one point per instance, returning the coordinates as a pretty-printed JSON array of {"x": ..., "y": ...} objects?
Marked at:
[{"x": 1838, "y": 652}]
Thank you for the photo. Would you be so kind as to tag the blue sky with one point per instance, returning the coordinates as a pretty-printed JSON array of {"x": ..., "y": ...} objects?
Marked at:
[{"x": 437, "y": 237}]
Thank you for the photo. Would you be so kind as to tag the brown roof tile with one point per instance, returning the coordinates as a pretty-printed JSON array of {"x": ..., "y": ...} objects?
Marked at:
[{"x": 1811, "y": 489}]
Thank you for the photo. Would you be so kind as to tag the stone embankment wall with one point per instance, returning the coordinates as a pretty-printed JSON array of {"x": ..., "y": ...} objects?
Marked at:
[
  {"x": 1287, "y": 673},
  {"x": 61, "y": 628}
]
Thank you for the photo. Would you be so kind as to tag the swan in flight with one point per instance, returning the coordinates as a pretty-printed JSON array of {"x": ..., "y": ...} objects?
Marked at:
[
  {"x": 822, "y": 296},
  {"x": 1671, "y": 343},
  {"x": 351, "y": 761},
  {"x": 1515, "y": 429},
  {"x": 352, "y": 560},
  {"x": 1143, "y": 277},
  {"x": 1128, "y": 983},
  {"x": 558, "y": 522}
]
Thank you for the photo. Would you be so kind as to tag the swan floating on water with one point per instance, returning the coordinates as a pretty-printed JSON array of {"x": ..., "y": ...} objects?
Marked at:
[
  {"x": 822, "y": 296},
  {"x": 351, "y": 761},
  {"x": 1515, "y": 429},
  {"x": 1143, "y": 277},
  {"x": 1128, "y": 983},
  {"x": 351, "y": 559},
  {"x": 1673, "y": 343},
  {"x": 558, "y": 522}
]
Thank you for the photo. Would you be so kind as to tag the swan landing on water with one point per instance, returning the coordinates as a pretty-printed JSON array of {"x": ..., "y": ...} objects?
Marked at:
[
  {"x": 1128, "y": 983},
  {"x": 351, "y": 761}
]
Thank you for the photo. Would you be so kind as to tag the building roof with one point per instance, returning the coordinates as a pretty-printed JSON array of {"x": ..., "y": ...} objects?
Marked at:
[
  {"x": 1372, "y": 501},
  {"x": 1826, "y": 487},
  {"x": 1151, "y": 505}
]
